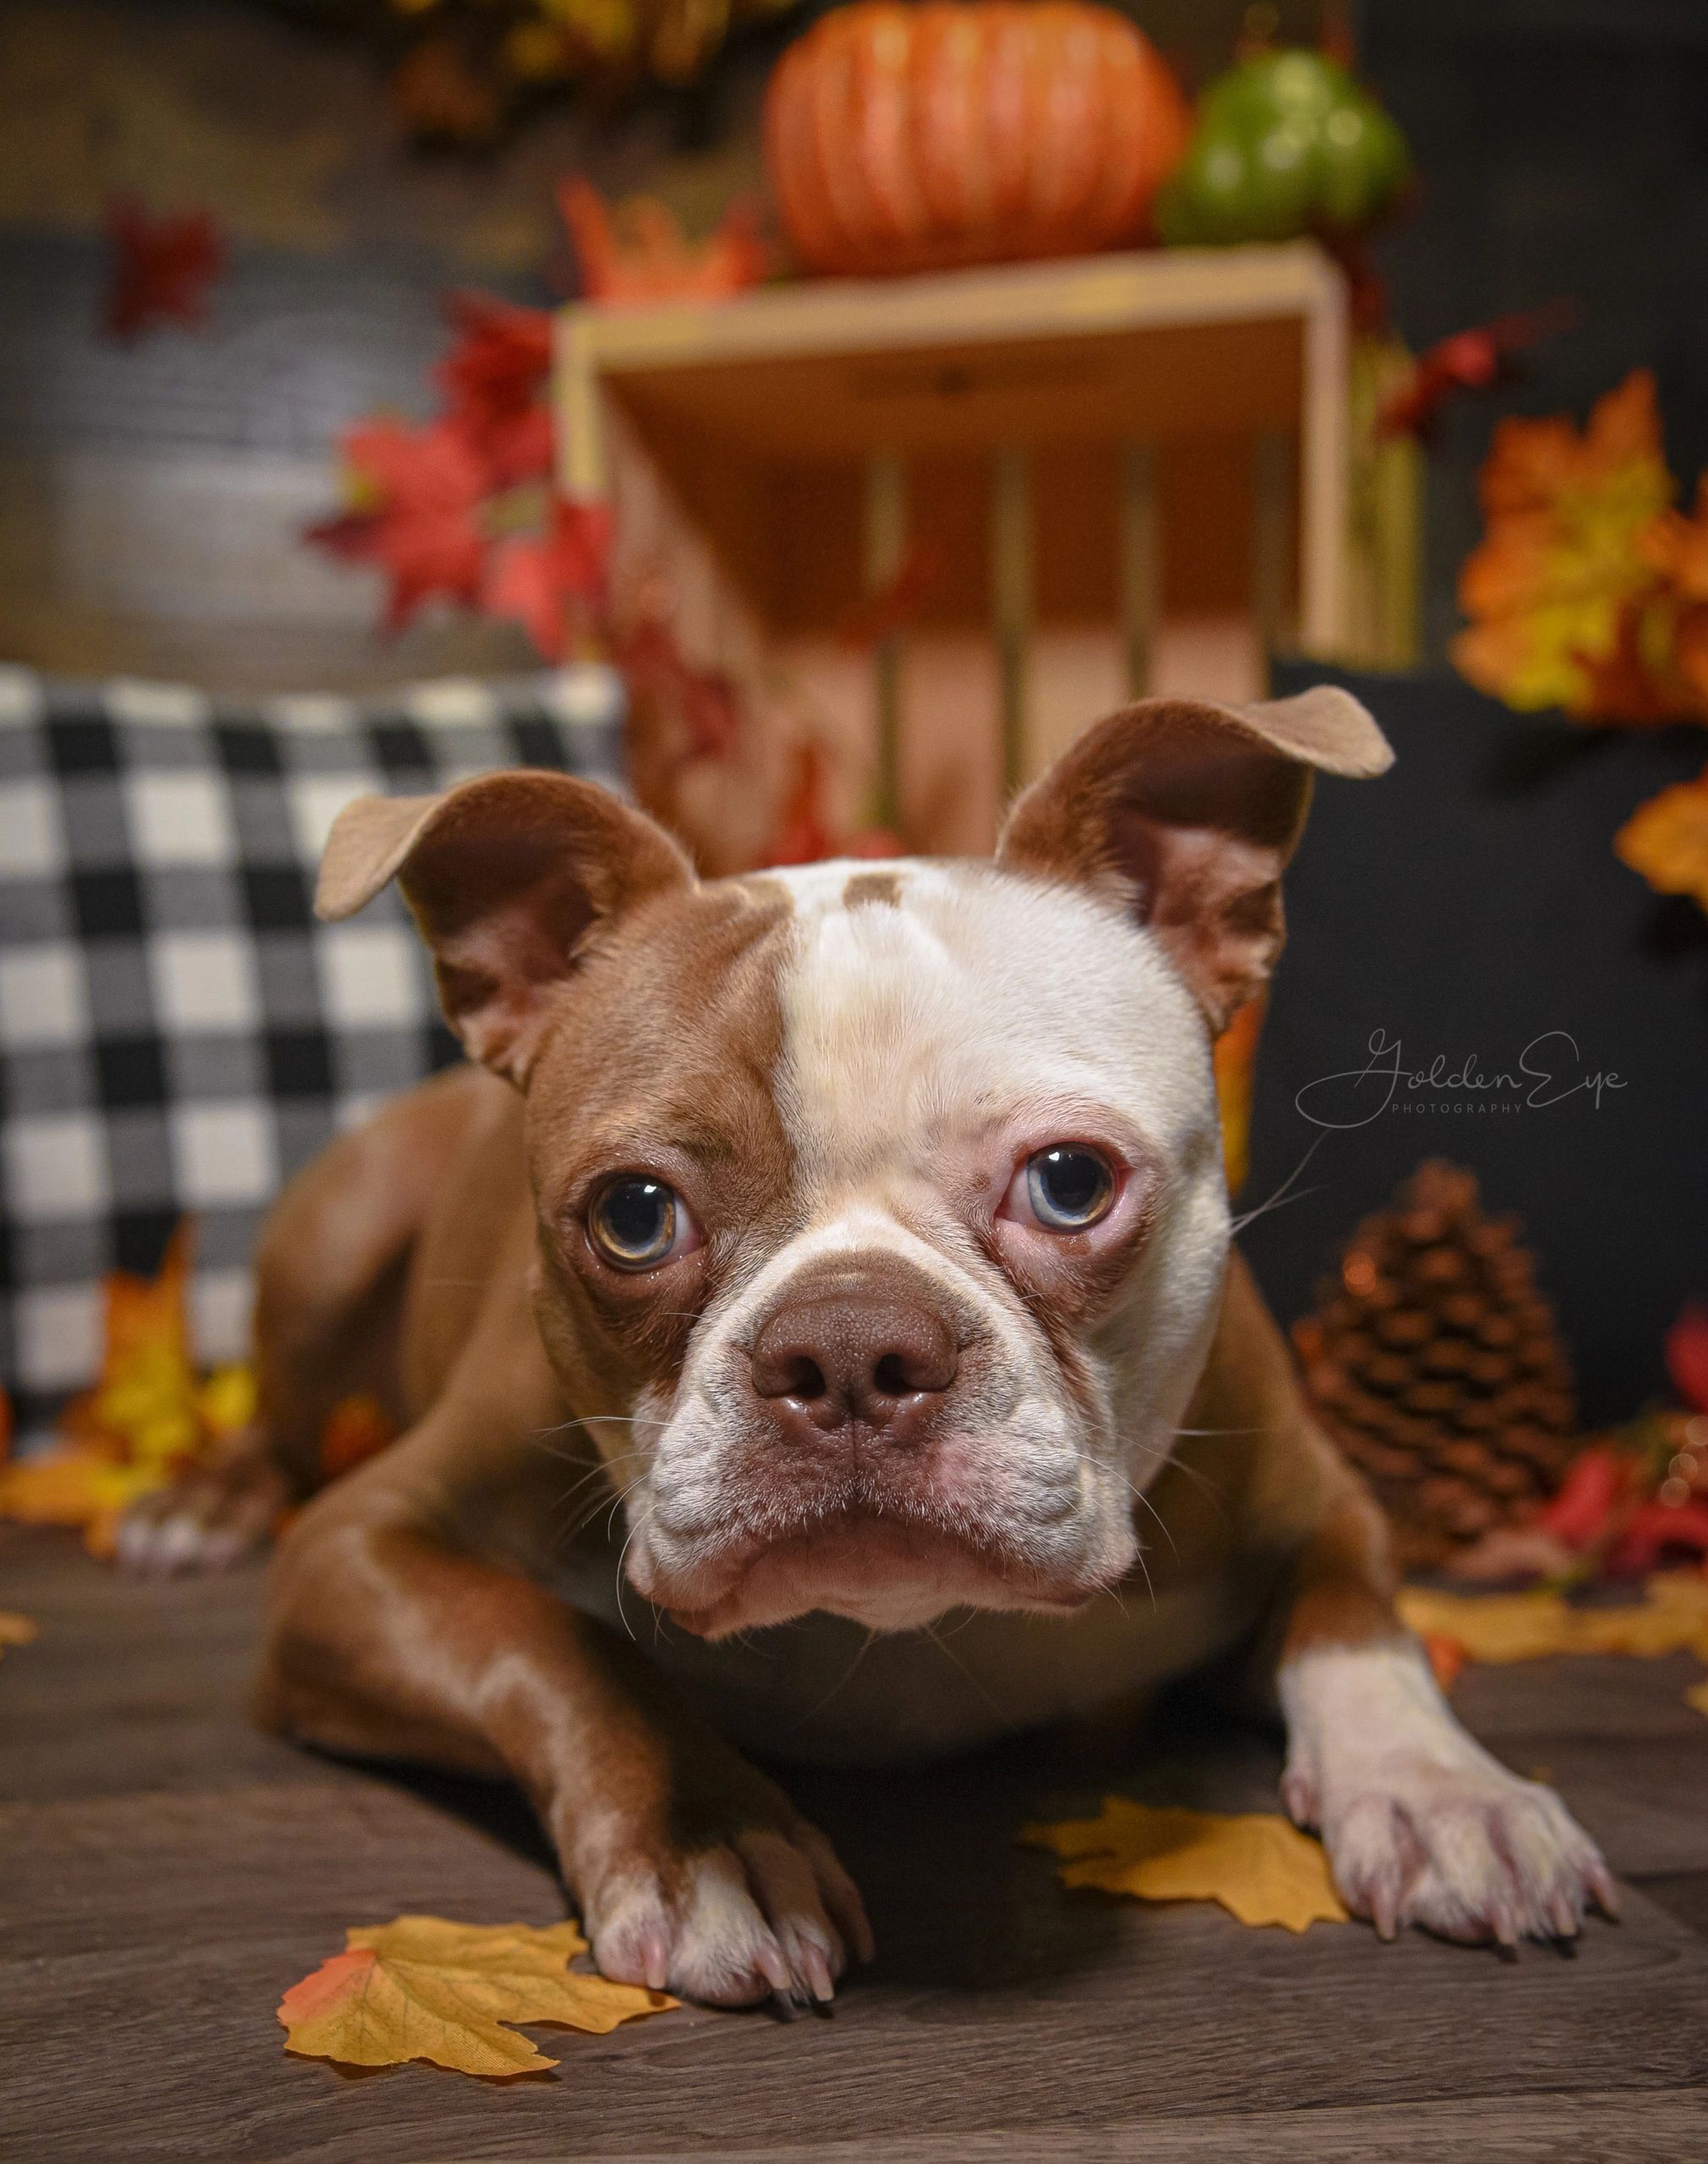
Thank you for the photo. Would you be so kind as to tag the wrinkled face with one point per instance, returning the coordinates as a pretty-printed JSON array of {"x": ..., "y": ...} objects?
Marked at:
[{"x": 882, "y": 1229}]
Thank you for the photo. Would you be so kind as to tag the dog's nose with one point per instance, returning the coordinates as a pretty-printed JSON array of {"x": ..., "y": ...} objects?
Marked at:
[{"x": 830, "y": 1360}]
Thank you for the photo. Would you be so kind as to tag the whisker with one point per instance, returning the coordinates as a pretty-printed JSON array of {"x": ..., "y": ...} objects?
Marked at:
[
  {"x": 955, "y": 1661},
  {"x": 1199, "y": 1480},
  {"x": 622, "y": 1612},
  {"x": 1281, "y": 1193},
  {"x": 846, "y": 1676}
]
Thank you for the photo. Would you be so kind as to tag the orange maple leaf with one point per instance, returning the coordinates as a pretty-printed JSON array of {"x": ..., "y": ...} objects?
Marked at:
[
  {"x": 640, "y": 253},
  {"x": 1567, "y": 606},
  {"x": 1667, "y": 839},
  {"x": 1257, "y": 1866},
  {"x": 1236, "y": 1070},
  {"x": 1677, "y": 548},
  {"x": 420, "y": 1987}
]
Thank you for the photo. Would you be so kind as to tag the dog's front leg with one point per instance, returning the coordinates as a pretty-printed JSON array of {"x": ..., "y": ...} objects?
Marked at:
[
  {"x": 1421, "y": 1824},
  {"x": 690, "y": 1869}
]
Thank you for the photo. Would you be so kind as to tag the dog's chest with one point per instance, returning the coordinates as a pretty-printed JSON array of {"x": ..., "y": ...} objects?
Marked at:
[{"x": 829, "y": 1690}]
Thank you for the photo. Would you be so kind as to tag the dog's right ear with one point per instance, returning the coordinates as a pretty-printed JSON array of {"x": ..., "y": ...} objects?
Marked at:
[{"x": 507, "y": 876}]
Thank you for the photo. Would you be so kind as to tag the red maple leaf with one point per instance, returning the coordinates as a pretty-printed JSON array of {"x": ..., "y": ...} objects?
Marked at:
[
  {"x": 704, "y": 702},
  {"x": 161, "y": 267},
  {"x": 802, "y": 835},
  {"x": 1687, "y": 1356},
  {"x": 494, "y": 379},
  {"x": 1470, "y": 360},
  {"x": 547, "y": 582},
  {"x": 418, "y": 494},
  {"x": 896, "y": 605}
]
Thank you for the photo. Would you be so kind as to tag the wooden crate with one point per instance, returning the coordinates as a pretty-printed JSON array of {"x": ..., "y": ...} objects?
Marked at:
[{"x": 1110, "y": 442}]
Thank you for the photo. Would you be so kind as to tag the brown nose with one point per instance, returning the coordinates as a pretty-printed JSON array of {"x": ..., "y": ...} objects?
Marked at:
[{"x": 826, "y": 1360}]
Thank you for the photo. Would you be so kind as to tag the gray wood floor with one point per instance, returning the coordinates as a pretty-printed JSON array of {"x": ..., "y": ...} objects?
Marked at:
[{"x": 165, "y": 1872}]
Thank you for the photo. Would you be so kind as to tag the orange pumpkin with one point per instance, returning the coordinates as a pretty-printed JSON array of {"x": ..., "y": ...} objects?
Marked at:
[{"x": 903, "y": 138}]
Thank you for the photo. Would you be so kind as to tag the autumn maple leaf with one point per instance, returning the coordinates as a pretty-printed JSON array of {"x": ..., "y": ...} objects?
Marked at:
[
  {"x": 161, "y": 266},
  {"x": 1258, "y": 1866},
  {"x": 417, "y": 495},
  {"x": 1687, "y": 1356},
  {"x": 1562, "y": 576},
  {"x": 804, "y": 834},
  {"x": 1236, "y": 1069},
  {"x": 422, "y": 1988},
  {"x": 1667, "y": 839},
  {"x": 704, "y": 705},
  {"x": 147, "y": 1416},
  {"x": 1673, "y": 1617},
  {"x": 641, "y": 253},
  {"x": 1677, "y": 548},
  {"x": 551, "y": 582},
  {"x": 494, "y": 380}
]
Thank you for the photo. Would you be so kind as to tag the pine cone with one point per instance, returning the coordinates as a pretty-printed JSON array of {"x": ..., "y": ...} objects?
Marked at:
[{"x": 1437, "y": 1366}]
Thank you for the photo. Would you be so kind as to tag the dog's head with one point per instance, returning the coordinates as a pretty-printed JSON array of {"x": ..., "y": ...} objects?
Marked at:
[{"x": 881, "y": 1219}]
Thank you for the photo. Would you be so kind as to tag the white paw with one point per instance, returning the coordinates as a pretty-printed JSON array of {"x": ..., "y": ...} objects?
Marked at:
[
  {"x": 1420, "y": 1824},
  {"x": 207, "y": 1521},
  {"x": 768, "y": 1914}
]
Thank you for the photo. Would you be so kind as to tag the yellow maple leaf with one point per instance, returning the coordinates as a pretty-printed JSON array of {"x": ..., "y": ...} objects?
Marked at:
[
  {"x": 1258, "y": 1866},
  {"x": 15, "y": 1629},
  {"x": 420, "y": 1987},
  {"x": 70, "y": 1487},
  {"x": 1673, "y": 1617},
  {"x": 1667, "y": 839},
  {"x": 146, "y": 1417},
  {"x": 1558, "y": 588},
  {"x": 144, "y": 1404}
]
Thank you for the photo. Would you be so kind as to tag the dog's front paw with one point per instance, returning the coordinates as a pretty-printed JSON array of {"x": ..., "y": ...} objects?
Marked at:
[
  {"x": 208, "y": 1519},
  {"x": 1420, "y": 1824},
  {"x": 766, "y": 1910},
  {"x": 1472, "y": 1853}
]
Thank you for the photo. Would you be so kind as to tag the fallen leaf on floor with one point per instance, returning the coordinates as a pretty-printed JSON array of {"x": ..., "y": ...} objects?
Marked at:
[
  {"x": 1258, "y": 1866},
  {"x": 423, "y": 1988},
  {"x": 1697, "y": 1696},
  {"x": 72, "y": 1487},
  {"x": 1671, "y": 1618},
  {"x": 15, "y": 1629}
]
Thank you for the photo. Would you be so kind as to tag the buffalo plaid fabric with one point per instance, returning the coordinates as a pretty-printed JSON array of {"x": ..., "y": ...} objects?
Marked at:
[{"x": 178, "y": 1036}]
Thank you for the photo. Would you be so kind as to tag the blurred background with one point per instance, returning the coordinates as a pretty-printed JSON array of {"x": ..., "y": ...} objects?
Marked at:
[{"x": 149, "y": 500}]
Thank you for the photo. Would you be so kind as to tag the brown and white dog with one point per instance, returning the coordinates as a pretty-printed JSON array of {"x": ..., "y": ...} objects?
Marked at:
[{"x": 840, "y": 1247}]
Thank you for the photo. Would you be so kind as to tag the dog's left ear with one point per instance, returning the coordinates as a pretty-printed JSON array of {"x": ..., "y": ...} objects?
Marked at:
[{"x": 1186, "y": 813}]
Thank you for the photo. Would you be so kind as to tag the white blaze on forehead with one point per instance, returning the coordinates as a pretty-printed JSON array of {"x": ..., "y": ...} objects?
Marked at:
[{"x": 970, "y": 996}]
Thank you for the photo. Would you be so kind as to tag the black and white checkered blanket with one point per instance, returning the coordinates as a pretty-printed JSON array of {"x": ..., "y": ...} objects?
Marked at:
[{"x": 177, "y": 1034}]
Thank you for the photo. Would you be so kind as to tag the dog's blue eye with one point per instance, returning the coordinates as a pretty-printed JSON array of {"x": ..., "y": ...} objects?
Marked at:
[
  {"x": 634, "y": 1223},
  {"x": 1068, "y": 1188}
]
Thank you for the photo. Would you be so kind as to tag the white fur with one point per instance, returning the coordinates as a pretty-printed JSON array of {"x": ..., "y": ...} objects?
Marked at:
[
  {"x": 911, "y": 1031},
  {"x": 1421, "y": 1825},
  {"x": 756, "y": 1915}
]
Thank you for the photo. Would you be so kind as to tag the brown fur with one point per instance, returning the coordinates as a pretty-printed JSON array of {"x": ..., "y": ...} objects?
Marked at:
[{"x": 443, "y": 1252}]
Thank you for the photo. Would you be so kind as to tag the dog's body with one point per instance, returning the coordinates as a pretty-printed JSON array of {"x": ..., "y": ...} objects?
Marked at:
[{"x": 853, "y": 1249}]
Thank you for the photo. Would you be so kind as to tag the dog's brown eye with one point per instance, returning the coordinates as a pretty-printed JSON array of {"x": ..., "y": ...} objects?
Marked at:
[
  {"x": 637, "y": 1223},
  {"x": 1068, "y": 1188}
]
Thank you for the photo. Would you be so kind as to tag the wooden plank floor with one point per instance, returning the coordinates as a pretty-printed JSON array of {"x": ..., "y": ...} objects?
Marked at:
[{"x": 165, "y": 1872}]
